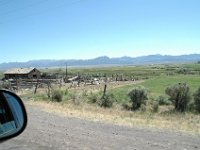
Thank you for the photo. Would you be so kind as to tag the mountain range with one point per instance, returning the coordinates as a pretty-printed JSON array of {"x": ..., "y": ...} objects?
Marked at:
[{"x": 104, "y": 61}]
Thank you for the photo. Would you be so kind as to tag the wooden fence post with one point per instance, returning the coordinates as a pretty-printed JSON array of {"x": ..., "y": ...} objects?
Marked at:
[
  {"x": 36, "y": 86},
  {"x": 49, "y": 90},
  {"x": 104, "y": 91}
]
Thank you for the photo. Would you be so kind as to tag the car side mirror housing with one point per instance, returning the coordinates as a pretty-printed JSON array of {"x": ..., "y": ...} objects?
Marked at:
[{"x": 13, "y": 116}]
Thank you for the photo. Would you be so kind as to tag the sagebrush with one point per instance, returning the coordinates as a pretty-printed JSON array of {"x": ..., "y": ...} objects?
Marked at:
[
  {"x": 138, "y": 96},
  {"x": 179, "y": 95}
]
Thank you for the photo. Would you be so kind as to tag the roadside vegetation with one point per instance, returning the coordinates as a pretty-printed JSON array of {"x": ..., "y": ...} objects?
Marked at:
[{"x": 159, "y": 96}]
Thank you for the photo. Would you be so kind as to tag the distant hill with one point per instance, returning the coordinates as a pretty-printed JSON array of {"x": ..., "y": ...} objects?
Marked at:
[{"x": 104, "y": 60}]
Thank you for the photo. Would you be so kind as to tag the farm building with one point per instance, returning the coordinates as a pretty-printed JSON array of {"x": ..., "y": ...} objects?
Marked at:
[{"x": 22, "y": 73}]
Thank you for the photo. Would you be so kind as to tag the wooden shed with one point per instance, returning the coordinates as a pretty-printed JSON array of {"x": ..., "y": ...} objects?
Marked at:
[{"x": 22, "y": 73}]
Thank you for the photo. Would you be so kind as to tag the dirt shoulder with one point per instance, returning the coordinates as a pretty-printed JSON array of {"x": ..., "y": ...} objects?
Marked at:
[
  {"x": 187, "y": 123},
  {"x": 49, "y": 131}
]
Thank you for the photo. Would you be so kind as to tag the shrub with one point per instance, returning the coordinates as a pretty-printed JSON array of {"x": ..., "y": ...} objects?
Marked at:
[
  {"x": 92, "y": 98},
  {"x": 191, "y": 106},
  {"x": 197, "y": 100},
  {"x": 143, "y": 108},
  {"x": 5, "y": 85},
  {"x": 183, "y": 71},
  {"x": 106, "y": 100},
  {"x": 154, "y": 106},
  {"x": 85, "y": 93},
  {"x": 77, "y": 99},
  {"x": 126, "y": 105},
  {"x": 162, "y": 100},
  {"x": 179, "y": 95},
  {"x": 57, "y": 96},
  {"x": 138, "y": 96},
  {"x": 66, "y": 92}
]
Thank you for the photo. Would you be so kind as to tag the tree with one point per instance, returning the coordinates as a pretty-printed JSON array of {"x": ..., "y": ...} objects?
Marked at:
[
  {"x": 138, "y": 96},
  {"x": 179, "y": 95}
]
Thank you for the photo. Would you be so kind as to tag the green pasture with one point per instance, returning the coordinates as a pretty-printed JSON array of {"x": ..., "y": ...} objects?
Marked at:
[
  {"x": 156, "y": 86},
  {"x": 193, "y": 66},
  {"x": 125, "y": 71}
]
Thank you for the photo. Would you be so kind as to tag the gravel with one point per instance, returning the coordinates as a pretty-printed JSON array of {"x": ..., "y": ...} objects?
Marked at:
[{"x": 47, "y": 131}]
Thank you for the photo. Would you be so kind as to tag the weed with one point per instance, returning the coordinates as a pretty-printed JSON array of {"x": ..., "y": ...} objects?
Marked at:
[
  {"x": 57, "y": 96},
  {"x": 163, "y": 100},
  {"x": 106, "y": 100}
]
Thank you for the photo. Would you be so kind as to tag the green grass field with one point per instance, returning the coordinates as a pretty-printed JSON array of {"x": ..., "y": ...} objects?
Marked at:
[
  {"x": 156, "y": 86},
  {"x": 139, "y": 72},
  {"x": 126, "y": 71}
]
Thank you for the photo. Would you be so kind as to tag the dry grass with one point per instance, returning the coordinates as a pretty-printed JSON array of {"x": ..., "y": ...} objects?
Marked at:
[
  {"x": 187, "y": 123},
  {"x": 164, "y": 119}
]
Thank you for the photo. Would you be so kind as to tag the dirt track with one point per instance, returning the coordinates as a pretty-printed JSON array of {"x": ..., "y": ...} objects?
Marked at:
[{"x": 47, "y": 131}]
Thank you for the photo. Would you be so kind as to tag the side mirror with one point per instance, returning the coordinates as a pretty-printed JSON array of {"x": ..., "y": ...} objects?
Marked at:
[{"x": 13, "y": 116}]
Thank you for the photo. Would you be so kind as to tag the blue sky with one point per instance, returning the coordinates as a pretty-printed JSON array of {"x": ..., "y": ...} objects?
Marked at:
[{"x": 83, "y": 29}]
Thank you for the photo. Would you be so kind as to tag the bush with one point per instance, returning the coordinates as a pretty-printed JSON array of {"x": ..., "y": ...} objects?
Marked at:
[
  {"x": 162, "y": 100},
  {"x": 197, "y": 100},
  {"x": 85, "y": 93},
  {"x": 143, "y": 108},
  {"x": 92, "y": 98},
  {"x": 106, "y": 100},
  {"x": 191, "y": 106},
  {"x": 138, "y": 96},
  {"x": 154, "y": 106},
  {"x": 57, "y": 96},
  {"x": 126, "y": 105},
  {"x": 77, "y": 99},
  {"x": 5, "y": 85},
  {"x": 183, "y": 71},
  {"x": 179, "y": 95},
  {"x": 66, "y": 92}
]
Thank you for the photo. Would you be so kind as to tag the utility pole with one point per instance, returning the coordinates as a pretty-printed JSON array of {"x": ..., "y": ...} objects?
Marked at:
[{"x": 66, "y": 74}]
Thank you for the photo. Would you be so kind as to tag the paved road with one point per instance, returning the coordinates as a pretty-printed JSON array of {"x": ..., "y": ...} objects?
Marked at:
[{"x": 47, "y": 131}]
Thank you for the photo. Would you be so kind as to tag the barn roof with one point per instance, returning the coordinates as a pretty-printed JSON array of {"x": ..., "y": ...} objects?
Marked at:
[{"x": 19, "y": 71}]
